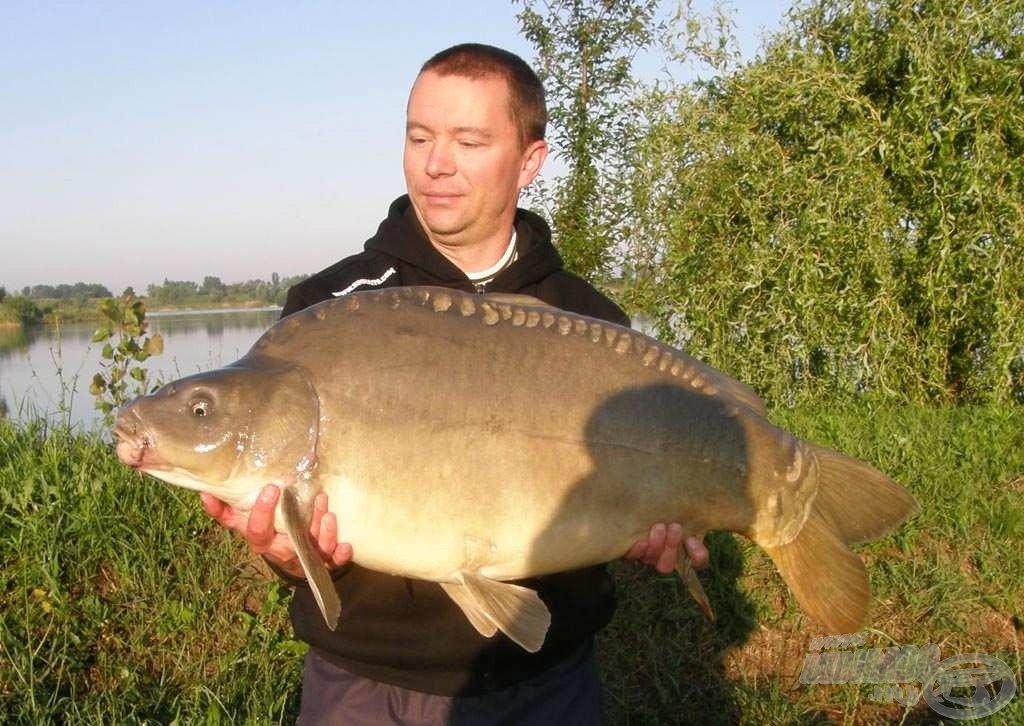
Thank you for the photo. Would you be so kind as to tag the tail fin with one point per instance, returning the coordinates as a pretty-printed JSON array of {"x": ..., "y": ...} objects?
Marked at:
[{"x": 855, "y": 503}]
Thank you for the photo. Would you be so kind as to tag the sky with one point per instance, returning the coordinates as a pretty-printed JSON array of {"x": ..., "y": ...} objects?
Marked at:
[{"x": 141, "y": 141}]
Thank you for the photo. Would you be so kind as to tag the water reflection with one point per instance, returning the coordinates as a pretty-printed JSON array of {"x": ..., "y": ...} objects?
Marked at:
[
  {"x": 14, "y": 338},
  {"x": 213, "y": 323},
  {"x": 47, "y": 369}
]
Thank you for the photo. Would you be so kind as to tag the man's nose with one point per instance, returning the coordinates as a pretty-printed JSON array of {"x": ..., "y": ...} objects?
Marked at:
[{"x": 441, "y": 160}]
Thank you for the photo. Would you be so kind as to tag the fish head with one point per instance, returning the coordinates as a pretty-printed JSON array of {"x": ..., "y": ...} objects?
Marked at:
[{"x": 228, "y": 432}]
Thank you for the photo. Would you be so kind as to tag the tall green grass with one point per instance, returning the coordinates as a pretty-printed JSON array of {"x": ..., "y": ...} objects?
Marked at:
[{"x": 121, "y": 602}]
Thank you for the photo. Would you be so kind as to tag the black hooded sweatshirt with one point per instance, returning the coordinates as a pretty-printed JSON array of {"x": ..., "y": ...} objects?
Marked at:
[{"x": 409, "y": 632}]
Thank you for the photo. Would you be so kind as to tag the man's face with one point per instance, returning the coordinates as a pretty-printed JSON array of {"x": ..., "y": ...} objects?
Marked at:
[{"x": 464, "y": 161}]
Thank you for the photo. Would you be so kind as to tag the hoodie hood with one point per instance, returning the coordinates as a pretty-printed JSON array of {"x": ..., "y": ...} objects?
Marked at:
[{"x": 401, "y": 236}]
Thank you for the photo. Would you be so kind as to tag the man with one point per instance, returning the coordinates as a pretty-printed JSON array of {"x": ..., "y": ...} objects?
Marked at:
[{"x": 403, "y": 651}]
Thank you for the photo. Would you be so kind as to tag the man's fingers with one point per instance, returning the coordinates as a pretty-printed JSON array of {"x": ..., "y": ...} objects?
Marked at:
[
  {"x": 263, "y": 539},
  {"x": 260, "y": 530},
  {"x": 327, "y": 539},
  {"x": 211, "y": 505},
  {"x": 697, "y": 552},
  {"x": 223, "y": 513},
  {"x": 319, "y": 509},
  {"x": 655, "y": 544},
  {"x": 667, "y": 559},
  {"x": 637, "y": 551},
  {"x": 342, "y": 554}
]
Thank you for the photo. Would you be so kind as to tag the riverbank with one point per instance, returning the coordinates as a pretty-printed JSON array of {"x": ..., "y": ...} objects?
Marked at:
[
  {"x": 225, "y": 306},
  {"x": 112, "y": 614}
]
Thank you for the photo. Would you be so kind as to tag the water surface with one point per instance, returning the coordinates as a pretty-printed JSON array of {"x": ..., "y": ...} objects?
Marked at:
[{"x": 47, "y": 369}]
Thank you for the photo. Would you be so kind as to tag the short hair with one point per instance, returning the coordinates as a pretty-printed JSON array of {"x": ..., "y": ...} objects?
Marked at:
[{"x": 476, "y": 60}]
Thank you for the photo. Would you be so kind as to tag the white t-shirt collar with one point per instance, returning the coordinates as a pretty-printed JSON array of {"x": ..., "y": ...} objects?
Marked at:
[{"x": 505, "y": 260}]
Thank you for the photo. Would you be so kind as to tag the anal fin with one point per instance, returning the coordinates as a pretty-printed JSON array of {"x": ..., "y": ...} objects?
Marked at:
[{"x": 296, "y": 518}]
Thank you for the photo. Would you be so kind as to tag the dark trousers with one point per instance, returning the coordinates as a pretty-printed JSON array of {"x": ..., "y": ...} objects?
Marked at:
[{"x": 568, "y": 693}]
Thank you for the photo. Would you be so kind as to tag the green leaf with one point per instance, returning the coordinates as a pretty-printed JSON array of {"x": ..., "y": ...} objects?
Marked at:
[{"x": 154, "y": 345}]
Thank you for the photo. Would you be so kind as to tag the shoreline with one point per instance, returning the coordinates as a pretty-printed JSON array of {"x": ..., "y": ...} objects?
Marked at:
[{"x": 85, "y": 315}]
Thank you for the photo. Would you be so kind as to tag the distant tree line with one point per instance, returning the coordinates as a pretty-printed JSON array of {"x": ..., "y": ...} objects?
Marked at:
[
  {"x": 66, "y": 292},
  {"x": 77, "y": 301},
  {"x": 213, "y": 290}
]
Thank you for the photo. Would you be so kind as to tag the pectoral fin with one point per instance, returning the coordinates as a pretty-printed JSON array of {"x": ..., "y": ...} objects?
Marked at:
[
  {"x": 692, "y": 582},
  {"x": 515, "y": 610},
  {"x": 295, "y": 516}
]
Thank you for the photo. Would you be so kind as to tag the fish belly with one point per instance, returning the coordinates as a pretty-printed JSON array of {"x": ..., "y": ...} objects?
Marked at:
[{"x": 512, "y": 505}]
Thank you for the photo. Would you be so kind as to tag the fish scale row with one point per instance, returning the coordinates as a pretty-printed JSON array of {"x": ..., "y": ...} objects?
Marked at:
[
  {"x": 647, "y": 352},
  {"x": 622, "y": 341}
]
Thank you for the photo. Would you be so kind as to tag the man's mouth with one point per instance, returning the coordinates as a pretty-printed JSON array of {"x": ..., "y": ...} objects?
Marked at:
[{"x": 442, "y": 197}]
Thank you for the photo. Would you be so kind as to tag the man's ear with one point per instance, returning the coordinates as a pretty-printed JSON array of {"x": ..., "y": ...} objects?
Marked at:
[{"x": 533, "y": 159}]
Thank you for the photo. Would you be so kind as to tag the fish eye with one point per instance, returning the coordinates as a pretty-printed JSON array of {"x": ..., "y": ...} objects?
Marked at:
[{"x": 200, "y": 408}]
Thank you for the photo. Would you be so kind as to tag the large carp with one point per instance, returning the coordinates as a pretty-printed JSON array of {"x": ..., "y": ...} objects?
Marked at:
[{"x": 477, "y": 439}]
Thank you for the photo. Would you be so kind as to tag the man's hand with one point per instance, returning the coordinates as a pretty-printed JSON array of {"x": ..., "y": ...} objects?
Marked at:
[
  {"x": 661, "y": 548},
  {"x": 258, "y": 529}
]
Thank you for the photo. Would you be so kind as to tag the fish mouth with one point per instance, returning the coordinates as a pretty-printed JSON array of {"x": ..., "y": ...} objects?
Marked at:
[{"x": 134, "y": 445}]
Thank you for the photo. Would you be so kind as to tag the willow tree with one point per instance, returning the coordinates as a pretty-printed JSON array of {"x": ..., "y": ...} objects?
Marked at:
[
  {"x": 585, "y": 50},
  {"x": 846, "y": 212}
]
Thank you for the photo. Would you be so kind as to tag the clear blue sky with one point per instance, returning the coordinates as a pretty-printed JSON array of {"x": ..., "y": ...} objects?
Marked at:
[{"x": 143, "y": 140}]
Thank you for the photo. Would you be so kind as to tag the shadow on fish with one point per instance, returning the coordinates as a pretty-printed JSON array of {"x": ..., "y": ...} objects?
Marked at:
[{"x": 475, "y": 440}]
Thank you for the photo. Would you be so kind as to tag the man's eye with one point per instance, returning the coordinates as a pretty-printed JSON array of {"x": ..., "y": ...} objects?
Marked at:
[{"x": 470, "y": 144}]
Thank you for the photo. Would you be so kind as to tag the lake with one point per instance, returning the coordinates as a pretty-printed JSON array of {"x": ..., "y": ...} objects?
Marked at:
[{"x": 47, "y": 369}]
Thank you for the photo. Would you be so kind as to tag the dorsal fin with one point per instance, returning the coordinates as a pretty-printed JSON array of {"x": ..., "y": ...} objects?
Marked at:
[{"x": 509, "y": 298}]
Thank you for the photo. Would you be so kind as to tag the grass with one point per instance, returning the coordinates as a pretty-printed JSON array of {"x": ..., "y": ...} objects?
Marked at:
[
  {"x": 951, "y": 576},
  {"x": 121, "y": 602}
]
